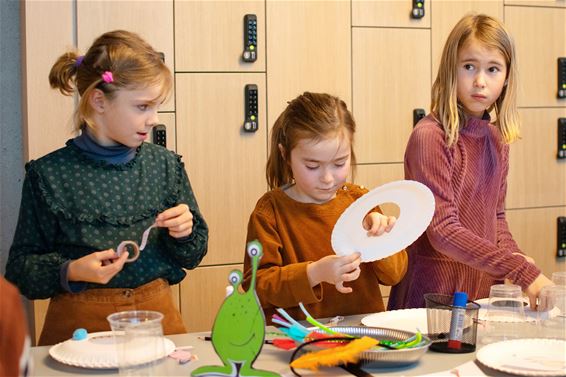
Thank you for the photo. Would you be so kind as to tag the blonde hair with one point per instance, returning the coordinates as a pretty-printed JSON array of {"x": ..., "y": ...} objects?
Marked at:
[
  {"x": 492, "y": 34},
  {"x": 134, "y": 64},
  {"x": 313, "y": 116}
]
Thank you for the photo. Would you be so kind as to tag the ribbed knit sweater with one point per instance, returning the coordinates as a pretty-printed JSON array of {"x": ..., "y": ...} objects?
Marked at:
[
  {"x": 467, "y": 246},
  {"x": 294, "y": 234}
]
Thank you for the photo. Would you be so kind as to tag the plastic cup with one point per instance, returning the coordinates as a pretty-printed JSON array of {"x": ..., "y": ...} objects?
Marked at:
[
  {"x": 552, "y": 311},
  {"x": 559, "y": 277},
  {"x": 138, "y": 335},
  {"x": 505, "y": 313}
]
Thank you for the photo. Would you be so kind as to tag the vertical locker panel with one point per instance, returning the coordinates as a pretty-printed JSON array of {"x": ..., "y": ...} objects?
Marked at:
[
  {"x": 226, "y": 166},
  {"x": 536, "y": 177},
  {"x": 202, "y": 293},
  {"x": 209, "y": 35},
  {"x": 47, "y": 114},
  {"x": 534, "y": 230},
  {"x": 168, "y": 119},
  {"x": 388, "y": 13},
  {"x": 446, "y": 13},
  {"x": 308, "y": 50},
  {"x": 152, "y": 20},
  {"x": 391, "y": 77},
  {"x": 539, "y": 40}
]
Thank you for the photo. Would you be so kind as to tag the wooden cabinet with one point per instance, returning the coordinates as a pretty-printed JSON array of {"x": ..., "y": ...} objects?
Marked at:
[
  {"x": 308, "y": 49},
  {"x": 388, "y": 13},
  {"x": 534, "y": 229},
  {"x": 536, "y": 177},
  {"x": 537, "y": 61},
  {"x": 203, "y": 291},
  {"x": 226, "y": 165},
  {"x": 537, "y": 3},
  {"x": 391, "y": 77},
  {"x": 446, "y": 13},
  {"x": 152, "y": 20},
  {"x": 47, "y": 114},
  {"x": 209, "y": 35}
]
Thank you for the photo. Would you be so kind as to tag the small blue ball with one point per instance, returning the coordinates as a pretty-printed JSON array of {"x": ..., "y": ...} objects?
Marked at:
[{"x": 80, "y": 334}]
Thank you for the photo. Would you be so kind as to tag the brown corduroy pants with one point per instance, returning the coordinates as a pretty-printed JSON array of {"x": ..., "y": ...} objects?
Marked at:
[{"x": 89, "y": 309}]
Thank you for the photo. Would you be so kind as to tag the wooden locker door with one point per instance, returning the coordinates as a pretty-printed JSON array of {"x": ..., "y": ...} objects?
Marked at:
[
  {"x": 308, "y": 50},
  {"x": 536, "y": 177},
  {"x": 209, "y": 35},
  {"x": 538, "y": 81},
  {"x": 445, "y": 15},
  {"x": 202, "y": 293},
  {"x": 388, "y": 13},
  {"x": 226, "y": 166},
  {"x": 534, "y": 230},
  {"x": 391, "y": 77},
  {"x": 152, "y": 20},
  {"x": 47, "y": 33}
]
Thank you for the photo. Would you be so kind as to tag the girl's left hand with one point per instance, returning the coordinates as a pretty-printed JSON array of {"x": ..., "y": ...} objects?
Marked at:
[
  {"x": 376, "y": 223},
  {"x": 178, "y": 219}
]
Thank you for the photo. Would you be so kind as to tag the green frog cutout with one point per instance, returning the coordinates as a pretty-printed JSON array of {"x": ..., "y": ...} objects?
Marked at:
[{"x": 238, "y": 332}]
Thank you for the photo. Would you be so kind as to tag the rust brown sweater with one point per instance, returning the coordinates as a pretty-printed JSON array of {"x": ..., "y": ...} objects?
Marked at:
[{"x": 294, "y": 234}]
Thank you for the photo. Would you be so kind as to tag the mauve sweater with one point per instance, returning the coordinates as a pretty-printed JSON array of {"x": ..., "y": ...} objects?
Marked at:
[{"x": 467, "y": 246}]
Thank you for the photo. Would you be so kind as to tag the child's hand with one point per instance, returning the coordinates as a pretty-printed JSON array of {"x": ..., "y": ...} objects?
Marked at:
[
  {"x": 98, "y": 267},
  {"x": 376, "y": 223},
  {"x": 533, "y": 290},
  {"x": 335, "y": 270},
  {"x": 178, "y": 219}
]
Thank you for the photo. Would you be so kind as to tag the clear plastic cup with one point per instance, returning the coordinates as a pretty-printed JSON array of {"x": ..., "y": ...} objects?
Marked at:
[
  {"x": 138, "y": 335},
  {"x": 552, "y": 311},
  {"x": 505, "y": 313}
]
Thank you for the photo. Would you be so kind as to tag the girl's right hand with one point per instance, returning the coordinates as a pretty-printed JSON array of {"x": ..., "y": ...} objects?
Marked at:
[
  {"x": 533, "y": 290},
  {"x": 98, "y": 267},
  {"x": 335, "y": 270}
]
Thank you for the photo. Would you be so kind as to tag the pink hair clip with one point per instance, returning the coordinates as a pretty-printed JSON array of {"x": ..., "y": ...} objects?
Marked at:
[{"x": 107, "y": 77}]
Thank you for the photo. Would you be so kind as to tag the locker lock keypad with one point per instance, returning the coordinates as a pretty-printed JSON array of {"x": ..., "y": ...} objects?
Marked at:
[
  {"x": 418, "y": 9},
  {"x": 251, "y": 108},
  {"x": 561, "y": 236},
  {"x": 561, "y": 138},
  {"x": 561, "y": 78},
  {"x": 250, "y": 38}
]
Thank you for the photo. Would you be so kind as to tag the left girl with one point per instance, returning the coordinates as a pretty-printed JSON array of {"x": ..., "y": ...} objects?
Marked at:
[{"x": 103, "y": 187}]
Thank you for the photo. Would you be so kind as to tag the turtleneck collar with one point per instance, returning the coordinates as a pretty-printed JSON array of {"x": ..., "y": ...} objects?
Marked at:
[
  {"x": 476, "y": 125},
  {"x": 117, "y": 154}
]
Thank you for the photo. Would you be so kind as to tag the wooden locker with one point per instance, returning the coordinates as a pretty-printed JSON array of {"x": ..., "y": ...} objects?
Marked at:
[
  {"x": 308, "y": 50},
  {"x": 202, "y": 293},
  {"x": 47, "y": 114},
  {"x": 539, "y": 40},
  {"x": 209, "y": 35},
  {"x": 446, "y": 13},
  {"x": 536, "y": 177},
  {"x": 391, "y": 78},
  {"x": 152, "y": 20},
  {"x": 226, "y": 165},
  {"x": 389, "y": 13},
  {"x": 534, "y": 230}
]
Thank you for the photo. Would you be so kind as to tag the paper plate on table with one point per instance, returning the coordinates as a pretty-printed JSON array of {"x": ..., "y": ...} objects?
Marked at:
[
  {"x": 99, "y": 351},
  {"x": 416, "y": 206},
  {"x": 403, "y": 319},
  {"x": 526, "y": 357}
]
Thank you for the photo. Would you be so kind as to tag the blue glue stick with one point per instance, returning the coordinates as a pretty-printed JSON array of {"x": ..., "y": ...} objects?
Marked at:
[{"x": 457, "y": 320}]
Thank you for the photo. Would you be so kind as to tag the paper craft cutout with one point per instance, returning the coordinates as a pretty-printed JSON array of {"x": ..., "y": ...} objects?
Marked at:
[
  {"x": 416, "y": 204},
  {"x": 238, "y": 332}
]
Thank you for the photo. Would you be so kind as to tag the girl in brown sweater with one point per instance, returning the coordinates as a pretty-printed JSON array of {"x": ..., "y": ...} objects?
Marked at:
[{"x": 310, "y": 160}]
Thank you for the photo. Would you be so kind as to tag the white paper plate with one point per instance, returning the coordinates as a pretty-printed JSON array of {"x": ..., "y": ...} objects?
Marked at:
[
  {"x": 404, "y": 319},
  {"x": 97, "y": 351},
  {"x": 526, "y": 357},
  {"x": 416, "y": 206}
]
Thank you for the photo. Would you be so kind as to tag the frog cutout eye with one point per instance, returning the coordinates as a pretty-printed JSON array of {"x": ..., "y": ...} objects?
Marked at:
[
  {"x": 235, "y": 278},
  {"x": 254, "y": 249}
]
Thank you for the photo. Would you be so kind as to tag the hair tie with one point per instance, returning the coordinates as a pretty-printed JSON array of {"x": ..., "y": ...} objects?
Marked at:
[
  {"x": 79, "y": 60},
  {"x": 107, "y": 77}
]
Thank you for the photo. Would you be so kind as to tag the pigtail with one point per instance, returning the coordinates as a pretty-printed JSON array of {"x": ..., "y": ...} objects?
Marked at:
[
  {"x": 278, "y": 172},
  {"x": 64, "y": 71}
]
